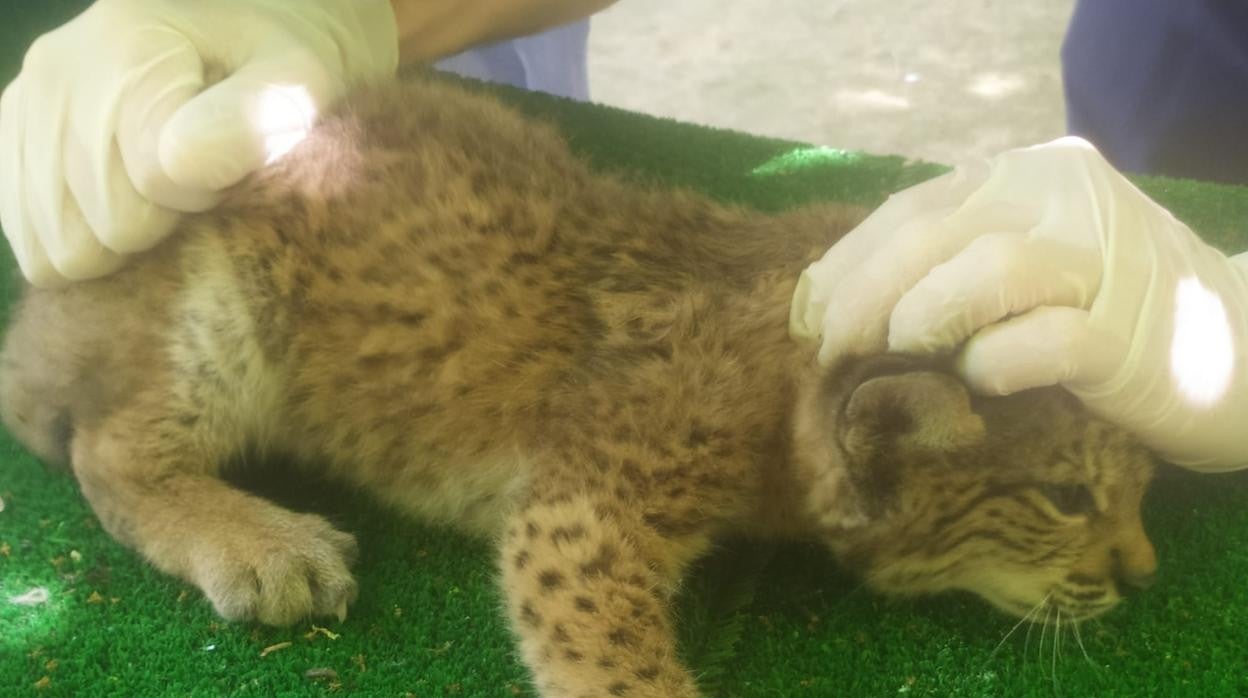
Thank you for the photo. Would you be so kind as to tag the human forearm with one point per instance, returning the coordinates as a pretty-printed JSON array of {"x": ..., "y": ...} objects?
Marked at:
[{"x": 432, "y": 29}]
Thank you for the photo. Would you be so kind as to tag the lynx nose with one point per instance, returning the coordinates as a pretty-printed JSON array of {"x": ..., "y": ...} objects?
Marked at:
[{"x": 1135, "y": 562}]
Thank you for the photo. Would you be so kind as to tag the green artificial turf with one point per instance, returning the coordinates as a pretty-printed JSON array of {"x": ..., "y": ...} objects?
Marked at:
[{"x": 755, "y": 620}]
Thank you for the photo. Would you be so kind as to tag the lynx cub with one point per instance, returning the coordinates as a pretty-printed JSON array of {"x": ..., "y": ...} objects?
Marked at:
[{"x": 435, "y": 300}]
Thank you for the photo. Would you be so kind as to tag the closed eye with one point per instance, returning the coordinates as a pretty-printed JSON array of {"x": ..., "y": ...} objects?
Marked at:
[{"x": 1069, "y": 499}]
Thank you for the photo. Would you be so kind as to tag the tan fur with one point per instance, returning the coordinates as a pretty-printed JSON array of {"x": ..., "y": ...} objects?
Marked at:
[{"x": 434, "y": 299}]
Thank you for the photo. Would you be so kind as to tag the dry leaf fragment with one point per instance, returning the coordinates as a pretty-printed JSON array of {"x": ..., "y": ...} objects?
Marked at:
[
  {"x": 318, "y": 630},
  {"x": 5, "y": 549},
  {"x": 34, "y": 597},
  {"x": 275, "y": 648},
  {"x": 43, "y": 683},
  {"x": 95, "y": 598}
]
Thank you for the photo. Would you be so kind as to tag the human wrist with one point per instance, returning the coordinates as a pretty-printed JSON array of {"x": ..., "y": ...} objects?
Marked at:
[
  {"x": 429, "y": 30},
  {"x": 377, "y": 21}
]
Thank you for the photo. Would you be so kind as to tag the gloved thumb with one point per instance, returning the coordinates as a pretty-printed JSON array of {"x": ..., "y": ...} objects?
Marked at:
[
  {"x": 1049, "y": 345},
  {"x": 251, "y": 117}
]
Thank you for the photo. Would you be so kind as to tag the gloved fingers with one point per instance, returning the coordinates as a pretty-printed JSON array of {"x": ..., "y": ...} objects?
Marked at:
[
  {"x": 122, "y": 220},
  {"x": 860, "y": 303},
  {"x": 14, "y": 218},
  {"x": 817, "y": 282},
  {"x": 1044, "y": 346},
  {"x": 242, "y": 122},
  {"x": 996, "y": 275},
  {"x": 73, "y": 248},
  {"x": 170, "y": 74},
  {"x": 52, "y": 214}
]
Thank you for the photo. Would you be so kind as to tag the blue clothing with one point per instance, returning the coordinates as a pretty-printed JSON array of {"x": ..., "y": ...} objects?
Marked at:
[
  {"x": 554, "y": 61},
  {"x": 1161, "y": 86}
]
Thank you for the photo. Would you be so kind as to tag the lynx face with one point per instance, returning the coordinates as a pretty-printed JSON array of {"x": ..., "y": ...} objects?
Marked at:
[{"x": 1024, "y": 500}]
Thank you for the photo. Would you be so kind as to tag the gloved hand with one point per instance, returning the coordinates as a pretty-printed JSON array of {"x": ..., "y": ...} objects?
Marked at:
[
  {"x": 108, "y": 132},
  {"x": 1054, "y": 269}
]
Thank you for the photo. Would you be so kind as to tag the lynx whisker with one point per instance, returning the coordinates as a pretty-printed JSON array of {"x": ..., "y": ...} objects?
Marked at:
[
  {"x": 1079, "y": 639},
  {"x": 1030, "y": 616}
]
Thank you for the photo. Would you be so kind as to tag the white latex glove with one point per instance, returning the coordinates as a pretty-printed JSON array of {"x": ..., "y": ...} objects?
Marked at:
[
  {"x": 1055, "y": 270},
  {"x": 108, "y": 132}
]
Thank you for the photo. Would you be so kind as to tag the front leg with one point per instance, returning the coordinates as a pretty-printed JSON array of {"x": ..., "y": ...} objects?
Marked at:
[
  {"x": 150, "y": 472},
  {"x": 587, "y": 588}
]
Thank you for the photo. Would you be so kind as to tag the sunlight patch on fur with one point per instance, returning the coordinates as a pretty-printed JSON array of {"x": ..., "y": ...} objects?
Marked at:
[{"x": 286, "y": 115}]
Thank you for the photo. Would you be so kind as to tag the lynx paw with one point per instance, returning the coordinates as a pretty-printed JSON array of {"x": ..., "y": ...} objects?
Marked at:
[{"x": 281, "y": 572}]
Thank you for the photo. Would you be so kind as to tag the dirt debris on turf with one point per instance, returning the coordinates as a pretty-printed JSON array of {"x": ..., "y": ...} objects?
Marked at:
[
  {"x": 323, "y": 673},
  {"x": 5, "y": 549},
  {"x": 359, "y": 661},
  {"x": 44, "y": 683},
  {"x": 2, "y": 498}
]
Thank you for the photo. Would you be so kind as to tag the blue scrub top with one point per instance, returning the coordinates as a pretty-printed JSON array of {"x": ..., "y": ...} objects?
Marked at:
[
  {"x": 1161, "y": 86},
  {"x": 554, "y": 61}
]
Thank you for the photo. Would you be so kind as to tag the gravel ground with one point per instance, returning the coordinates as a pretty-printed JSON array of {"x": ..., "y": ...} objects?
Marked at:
[{"x": 939, "y": 81}]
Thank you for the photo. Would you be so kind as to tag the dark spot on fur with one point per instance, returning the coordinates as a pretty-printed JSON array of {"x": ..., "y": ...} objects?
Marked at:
[
  {"x": 532, "y": 529},
  {"x": 619, "y": 688},
  {"x": 698, "y": 436},
  {"x": 671, "y": 526},
  {"x": 622, "y": 637},
  {"x": 411, "y": 319},
  {"x": 521, "y": 259},
  {"x": 568, "y": 534},
  {"x": 585, "y": 604},
  {"x": 606, "y": 663},
  {"x": 573, "y": 656},
  {"x": 606, "y": 512},
  {"x": 631, "y": 470},
  {"x": 560, "y": 634},
  {"x": 522, "y": 559},
  {"x": 649, "y": 673},
  {"x": 550, "y": 580},
  {"x": 601, "y": 563},
  {"x": 530, "y": 616}
]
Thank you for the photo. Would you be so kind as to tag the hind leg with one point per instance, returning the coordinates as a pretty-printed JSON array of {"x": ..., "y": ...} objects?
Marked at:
[{"x": 150, "y": 472}]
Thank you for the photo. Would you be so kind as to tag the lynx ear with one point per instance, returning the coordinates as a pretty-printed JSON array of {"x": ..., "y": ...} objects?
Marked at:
[
  {"x": 867, "y": 423},
  {"x": 897, "y": 421},
  {"x": 918, "y": 411}
]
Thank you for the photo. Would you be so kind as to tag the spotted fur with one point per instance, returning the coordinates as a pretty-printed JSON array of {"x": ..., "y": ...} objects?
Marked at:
[{"x": 436, "y": 301}]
